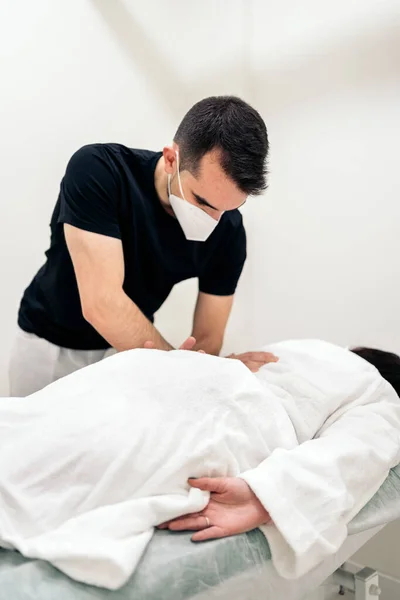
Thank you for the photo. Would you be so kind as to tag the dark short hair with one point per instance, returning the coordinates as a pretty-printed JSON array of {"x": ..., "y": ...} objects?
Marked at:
[
  {"x": 387, "y": 363},
  {"x": 233, "y": 127}
]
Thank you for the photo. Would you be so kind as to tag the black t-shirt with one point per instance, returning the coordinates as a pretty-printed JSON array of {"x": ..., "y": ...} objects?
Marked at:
[{"x": 109, "y": 189}]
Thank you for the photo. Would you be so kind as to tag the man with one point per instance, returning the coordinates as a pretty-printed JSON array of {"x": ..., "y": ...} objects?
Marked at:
[{"x": 130, "y": 224}]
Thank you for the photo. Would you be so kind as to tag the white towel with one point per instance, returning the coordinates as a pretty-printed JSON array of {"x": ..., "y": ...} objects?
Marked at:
[
  {"x": 93, "y": 462},
  {"x": 314, "y": 490}
]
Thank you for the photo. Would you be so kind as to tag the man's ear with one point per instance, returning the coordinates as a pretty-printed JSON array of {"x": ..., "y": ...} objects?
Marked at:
[{"x": 170, "y": 158}]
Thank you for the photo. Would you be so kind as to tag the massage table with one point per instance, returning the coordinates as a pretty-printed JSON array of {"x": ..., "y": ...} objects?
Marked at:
[{"x": 174, "y": 568}]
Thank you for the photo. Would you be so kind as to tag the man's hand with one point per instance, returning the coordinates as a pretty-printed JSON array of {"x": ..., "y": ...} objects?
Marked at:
[
  {"x": 255, "y": 360},
  {"x": 188, "y": 344},
  {"x": 233, "y": 508},
  {"x": 252, "y": 360}
]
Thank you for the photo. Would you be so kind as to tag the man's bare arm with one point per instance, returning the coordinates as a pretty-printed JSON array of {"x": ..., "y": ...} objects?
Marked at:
[
  {"x": 99, "y": 268},
  {"x": 210, "y": 320}
]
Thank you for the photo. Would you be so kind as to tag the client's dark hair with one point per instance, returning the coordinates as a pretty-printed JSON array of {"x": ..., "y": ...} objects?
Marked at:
[
  {"x": 233, "y": 127},
  {"x": 387, "y": 363}
]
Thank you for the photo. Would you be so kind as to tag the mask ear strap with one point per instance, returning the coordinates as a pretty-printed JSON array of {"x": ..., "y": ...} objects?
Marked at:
[{"x": 179, "y": 176}]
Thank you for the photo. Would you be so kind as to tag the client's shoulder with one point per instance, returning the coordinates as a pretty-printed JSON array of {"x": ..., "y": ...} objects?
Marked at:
[{"x": 322, "y": 352}]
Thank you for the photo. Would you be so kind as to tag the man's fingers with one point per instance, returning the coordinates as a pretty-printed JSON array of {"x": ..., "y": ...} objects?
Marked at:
[
  {"x": 254, "y": 366},
  {"x": 262, "y": 357},
  {"x": 188, "y": 344},
  {"x": 268, "y": 357},
  {"x": 209, "y": 484},
  {"x": 211, "y": 533}
]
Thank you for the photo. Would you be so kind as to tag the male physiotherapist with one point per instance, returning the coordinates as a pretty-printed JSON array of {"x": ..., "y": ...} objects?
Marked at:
[{"x": 130, "y": 224}]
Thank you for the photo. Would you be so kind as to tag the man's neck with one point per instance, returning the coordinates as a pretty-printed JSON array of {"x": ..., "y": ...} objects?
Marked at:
[{"x": 161, "y": 185}]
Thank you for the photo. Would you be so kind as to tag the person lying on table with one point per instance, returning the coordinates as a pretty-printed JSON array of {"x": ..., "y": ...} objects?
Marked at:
[{"x": 91, "y": 464}]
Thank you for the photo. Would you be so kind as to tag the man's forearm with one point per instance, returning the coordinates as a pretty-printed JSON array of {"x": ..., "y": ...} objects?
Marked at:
[
  {"x": 209, "y": 344},
  {"x": 123, "y": 324}
]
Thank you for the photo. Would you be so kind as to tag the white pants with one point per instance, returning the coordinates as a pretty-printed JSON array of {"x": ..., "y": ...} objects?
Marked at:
[{"x": 35, "y": 363}]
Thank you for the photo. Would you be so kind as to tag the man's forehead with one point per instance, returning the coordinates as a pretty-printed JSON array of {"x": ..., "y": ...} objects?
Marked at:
[{"x": 212, "y": 185}]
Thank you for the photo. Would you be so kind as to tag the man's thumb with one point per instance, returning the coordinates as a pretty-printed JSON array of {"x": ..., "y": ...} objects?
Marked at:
[{"x": 188, "y": 344}]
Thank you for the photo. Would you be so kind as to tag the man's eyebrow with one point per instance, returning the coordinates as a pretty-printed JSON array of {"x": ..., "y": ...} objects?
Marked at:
[{"x": 201, "y": 200}]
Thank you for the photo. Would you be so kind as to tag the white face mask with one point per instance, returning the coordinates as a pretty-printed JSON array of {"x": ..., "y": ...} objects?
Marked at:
[{"x": 196, "y": 224}]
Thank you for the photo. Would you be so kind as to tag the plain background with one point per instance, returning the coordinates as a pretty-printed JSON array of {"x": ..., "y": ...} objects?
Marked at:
[{"x": 324, "y": 241}]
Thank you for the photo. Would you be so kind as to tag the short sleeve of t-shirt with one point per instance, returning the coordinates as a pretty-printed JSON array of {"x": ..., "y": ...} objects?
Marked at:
[
  {"x": 89, "y": 193},
  {"x": 221, "y": 276}
]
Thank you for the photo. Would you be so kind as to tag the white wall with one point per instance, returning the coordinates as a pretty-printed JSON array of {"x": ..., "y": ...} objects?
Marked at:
[
  {"x": 328, "y": 230},
  {"x": 324, "y": 241}
]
